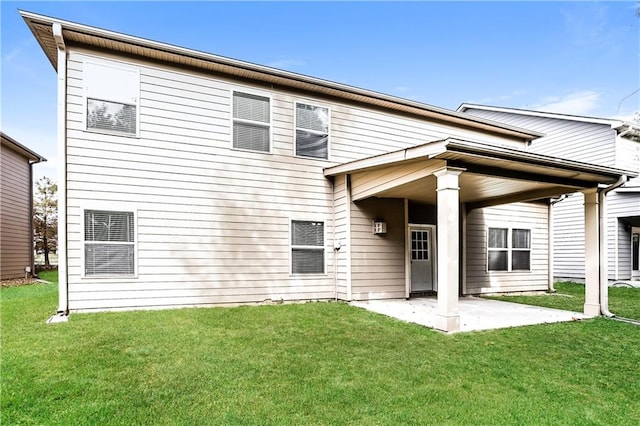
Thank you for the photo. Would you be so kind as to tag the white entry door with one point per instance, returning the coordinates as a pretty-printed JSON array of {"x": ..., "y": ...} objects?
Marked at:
[
  {"x": 422, "y": 256},
  {"x": 635, "y": 252}
]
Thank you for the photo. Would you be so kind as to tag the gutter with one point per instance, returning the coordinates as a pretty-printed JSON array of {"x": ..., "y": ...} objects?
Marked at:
[
  {"x": 62, "y": 314},
  {"x": 604, "y": 273}
]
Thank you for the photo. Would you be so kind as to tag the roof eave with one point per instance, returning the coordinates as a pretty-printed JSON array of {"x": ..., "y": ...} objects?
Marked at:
[
  {"x": 266, "y": 74},
  {"x": 33, "y": 156}
]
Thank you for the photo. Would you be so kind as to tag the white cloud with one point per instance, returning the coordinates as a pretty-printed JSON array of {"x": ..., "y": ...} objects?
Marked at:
[{"x": 583, "y": 102}]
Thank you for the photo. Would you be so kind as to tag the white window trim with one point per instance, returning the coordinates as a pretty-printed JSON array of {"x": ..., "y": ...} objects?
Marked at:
[
  {"x": 291, "y": 246},
  {"x": 509, "y": 249},
  {"x": 85, "y": 98},
  {"x": 232, "y": 120},
  {"x": 109, "y": 207},
  {"x": 295, "y": 128}
]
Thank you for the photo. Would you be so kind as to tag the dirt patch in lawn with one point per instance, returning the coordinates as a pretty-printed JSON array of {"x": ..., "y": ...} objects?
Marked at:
[{"x": 19, "y": 281}]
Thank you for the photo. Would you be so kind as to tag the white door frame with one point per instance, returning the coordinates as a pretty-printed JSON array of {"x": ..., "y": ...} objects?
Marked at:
[{"x": 407, "y": 253}]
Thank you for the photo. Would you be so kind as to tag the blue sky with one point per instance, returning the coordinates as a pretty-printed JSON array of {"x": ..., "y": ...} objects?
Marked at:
[{"x": 573, "y": 57}]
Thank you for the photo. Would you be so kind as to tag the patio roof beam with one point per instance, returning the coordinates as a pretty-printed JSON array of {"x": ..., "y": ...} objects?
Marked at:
[
  {"x": 523, "y": 175},
  {"x": 532, "y": 195}
]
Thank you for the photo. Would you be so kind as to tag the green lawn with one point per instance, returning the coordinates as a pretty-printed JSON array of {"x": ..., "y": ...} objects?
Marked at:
[
  {"x": 313, "y": 363},
  {"x": 623, "y": 302}
]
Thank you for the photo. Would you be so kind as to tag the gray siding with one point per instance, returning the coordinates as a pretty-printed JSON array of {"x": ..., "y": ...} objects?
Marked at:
[
  {"x": 587, "y": 142},
  {"x": 15, "y": 214},
  {"x": 518, "y": 215},
  {"x": 568, "y": 234},
  {"x": 621, "y": 205}
]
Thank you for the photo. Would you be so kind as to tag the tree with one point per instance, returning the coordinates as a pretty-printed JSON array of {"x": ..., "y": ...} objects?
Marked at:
[{"x": 45, "y": 217}]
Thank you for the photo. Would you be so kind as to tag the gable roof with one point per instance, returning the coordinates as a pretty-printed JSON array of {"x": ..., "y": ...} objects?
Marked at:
[
  {"x": 14, "y": 145},
  {"x": 78, "y": 34},
  {"x": 619, "y": 125}
]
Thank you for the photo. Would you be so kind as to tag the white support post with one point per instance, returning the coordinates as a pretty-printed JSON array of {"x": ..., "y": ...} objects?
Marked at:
[
  {"x": 447, "y": 315},
  {"x": 592, "y": 253}
]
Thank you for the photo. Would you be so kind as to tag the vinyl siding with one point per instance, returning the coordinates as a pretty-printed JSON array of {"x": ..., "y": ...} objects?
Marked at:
[
  {"x": 213, "y": 222},
  {"x": 621, "y": 205},
  {"x": 342, "y": 235},
  {"x": 587, "y": 142},
  {"x": 518, "y": 215},
  {"x": 378, "y": 261},
  {"x": 15, "y": 214},
  {"x": 591, "y": 143}
]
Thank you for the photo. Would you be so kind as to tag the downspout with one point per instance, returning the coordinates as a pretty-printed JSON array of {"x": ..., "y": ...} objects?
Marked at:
[
  {"x": 604, "y": 225},
  {"x": 551, "y": 278},
  {"x": 63, "y": 289}
]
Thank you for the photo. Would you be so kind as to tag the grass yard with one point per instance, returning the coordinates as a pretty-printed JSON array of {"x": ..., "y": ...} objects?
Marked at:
[
  {"x": 313, "y": 363},
  {"x": 624, "y": 302}
]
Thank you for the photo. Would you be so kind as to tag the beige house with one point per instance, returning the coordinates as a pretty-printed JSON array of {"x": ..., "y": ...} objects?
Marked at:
[
  {"x": 193, "y": 179},
  {"x": 16, "y": 208}
]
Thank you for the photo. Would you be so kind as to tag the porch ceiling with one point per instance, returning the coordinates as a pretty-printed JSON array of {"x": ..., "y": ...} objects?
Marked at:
[{"x": 492, "y": 175}]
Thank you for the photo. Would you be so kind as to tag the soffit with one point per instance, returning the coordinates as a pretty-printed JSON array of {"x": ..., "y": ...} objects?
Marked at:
[{"x": 94, "y": 37}]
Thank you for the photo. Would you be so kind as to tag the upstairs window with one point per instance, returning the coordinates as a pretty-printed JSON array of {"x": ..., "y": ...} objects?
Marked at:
[
  {"x": 307, "y": 247},
  {"x": 508, "y": 249},
  {"x": 251, "y": 122},
  {"x": 109, "y": 243},
  {"x": 111, "y": 94},
  {"x": 312, "y": 131}
]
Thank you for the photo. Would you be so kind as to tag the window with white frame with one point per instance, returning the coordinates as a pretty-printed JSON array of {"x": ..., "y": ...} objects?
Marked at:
[
  {"x": 251, "y": 122},
  {"x": 109, "y": 243},
  {"x": 111, "y": 94},
  {"x": 307, "y": 247},
  {"x": 312, "y": 131},
  {"x": 509, "y": 249}
]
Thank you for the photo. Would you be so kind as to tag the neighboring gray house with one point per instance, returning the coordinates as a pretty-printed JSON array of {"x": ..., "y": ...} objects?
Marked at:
[
  {"x": 190, "y": 179},
  {"x": 16, "y": 208},
  {"x": 606, "y": 142}
]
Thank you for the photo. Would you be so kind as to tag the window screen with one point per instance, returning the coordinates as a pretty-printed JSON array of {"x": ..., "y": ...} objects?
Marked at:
[
  {"x": 251, "y": 120},
  {"x": 307, "y": 247},
  {"x": 109, "y": 242},
  {"x": 312, "y": 131}
]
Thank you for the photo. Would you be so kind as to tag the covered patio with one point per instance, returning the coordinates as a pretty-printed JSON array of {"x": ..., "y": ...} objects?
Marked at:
[{"x": 458, "y": 176}]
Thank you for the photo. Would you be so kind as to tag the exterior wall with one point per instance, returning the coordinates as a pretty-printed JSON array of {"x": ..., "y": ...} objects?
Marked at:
[
  {"x": 342, "y": 235},
  {"x": 213, "y": 222},
  {"x": 15, "y": 214},
  {"x": 579, "y": 141},
  {"x": 591, "y": 143},
  {"x": 568, "y": 234},
  {"x": 378, "y": 261},
  {"x": 621, "y": 205},
  {"x": 518, "y": 215}
]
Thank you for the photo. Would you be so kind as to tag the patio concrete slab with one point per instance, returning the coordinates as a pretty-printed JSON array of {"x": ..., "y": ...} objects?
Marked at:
[{"x": 475, "y": 313}]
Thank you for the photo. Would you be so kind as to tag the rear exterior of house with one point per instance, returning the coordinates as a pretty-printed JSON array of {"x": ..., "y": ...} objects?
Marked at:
[
  {"x": 16, "y": 189},
  {"x": 592, "y": 140},
  {"x": 196, "y": 180},
  {"x": 207, "y": 212}
]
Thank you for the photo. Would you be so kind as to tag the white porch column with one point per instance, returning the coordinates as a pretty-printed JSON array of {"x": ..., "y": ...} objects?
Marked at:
[
  {"x": 592, "y": 253},
  {"x": 447, "y": 316}
]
